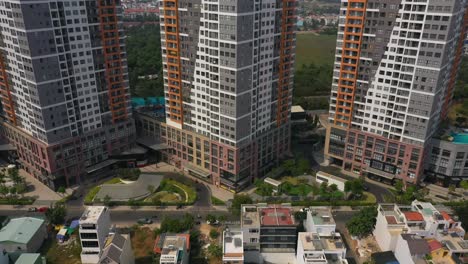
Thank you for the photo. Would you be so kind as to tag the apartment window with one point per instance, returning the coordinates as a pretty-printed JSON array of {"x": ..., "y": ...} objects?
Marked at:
[
  {"x": 436, "y": 150},
  {"x": 458, "y": 164},
  {"x": 444, "y": 162},
  {"x": 460, "y": 155},
  {"x": 88, "y": 235},
  {"x": 442, "y": 170},
  {"x": 89, "y": 243},
  {"x": 446, "y": 153}
]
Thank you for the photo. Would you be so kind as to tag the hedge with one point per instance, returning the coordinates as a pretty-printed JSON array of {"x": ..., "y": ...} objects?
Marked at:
[{"x": 17, "y": 201}]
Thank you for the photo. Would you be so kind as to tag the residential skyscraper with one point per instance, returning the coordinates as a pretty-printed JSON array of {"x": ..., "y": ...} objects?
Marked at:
[
  {"x": 395, "y": 68},
  {"x": 228, "y": 75},
  {"x": 64, "y": 86}
]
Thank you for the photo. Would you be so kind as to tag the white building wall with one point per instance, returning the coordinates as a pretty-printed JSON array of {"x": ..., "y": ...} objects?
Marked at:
[
  {"x": 382, "y": 235},
  {"x": 402, "y": 253}
]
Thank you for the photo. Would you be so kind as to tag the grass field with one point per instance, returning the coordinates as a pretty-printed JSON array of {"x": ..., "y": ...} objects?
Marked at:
[{"x": 319, "y": 49}]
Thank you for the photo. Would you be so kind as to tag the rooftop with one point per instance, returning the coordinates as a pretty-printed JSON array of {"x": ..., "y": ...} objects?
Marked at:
[
  {"x": 257, "y": 215},
  {"x": 233, "y": 244},
  {"x": 276, "y": 216},
  {"x": 92, "y": 214},
  {"x": 175, "y": 243},
  {"x": 321, "y": 215},
  {"x": 20, "y": 230},
  {"x": 313, "y": 242},
  {"x": 413, "y": 216},
  {"x": 29, "y": 258},
  {"x": 297, "y": 109},
  {"x": 113, "y": 249},
  {"x": 416, "y": 245}
]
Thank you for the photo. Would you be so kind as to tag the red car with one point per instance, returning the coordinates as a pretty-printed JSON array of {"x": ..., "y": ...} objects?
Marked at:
[{"x": 43, "y": 209}]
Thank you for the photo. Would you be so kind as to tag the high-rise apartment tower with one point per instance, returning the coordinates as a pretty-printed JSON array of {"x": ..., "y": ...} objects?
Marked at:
[
  {"x": 64, "y": 86},
  {"x": 395, "y": 68},
  {"x": 228, "y": 75}
]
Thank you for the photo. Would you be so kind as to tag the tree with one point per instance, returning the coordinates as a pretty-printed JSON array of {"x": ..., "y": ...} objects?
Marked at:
[
  {"x": 464, "y": 184},
  {"x": 399, "y": 186},
  {"x": 362, "y": 224},
  {"x": 214, "y": 234},
  {"x": 12, "y": 190},
  {"x": 61, "y": 189},
  {"x": 132, "y": 202},
  {"x": 462, "y": 212},
  {"x": 451, "y": 188},
  {"x": 4, "y": 190},
  {"x": 355, "y": 187},
  {"x": 156, "y": 200},
  {"x": 56, "y": 214},
  {"x": 150, "y": 188},
  {"x": 210, "y": 218},
  {"x": 130, "y": 174},
  {"x": 215, "y": 250},
  {"x": 106, "y": 200},
  {"x": 238, "y": 200}
]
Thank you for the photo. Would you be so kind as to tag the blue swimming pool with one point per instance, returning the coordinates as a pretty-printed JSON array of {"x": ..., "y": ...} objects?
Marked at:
[{"x": 460, "y": 138}]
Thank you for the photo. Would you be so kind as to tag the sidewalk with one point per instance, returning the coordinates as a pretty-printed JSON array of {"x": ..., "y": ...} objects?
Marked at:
[{"x": 125, "y": 208}]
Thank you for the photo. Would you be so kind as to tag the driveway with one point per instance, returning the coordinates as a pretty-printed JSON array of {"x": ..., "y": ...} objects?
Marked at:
[{"x": 135, "y": 190}]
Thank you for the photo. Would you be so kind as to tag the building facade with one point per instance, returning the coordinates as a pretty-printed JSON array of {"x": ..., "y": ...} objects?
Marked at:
[
  {"x": 95, "y": 225},
  {"x": 447, "y": 162},
  {"x": 228, "y": 75},
  {"x": 395, "y": 68},
  {"x": 64, "y": 86}
]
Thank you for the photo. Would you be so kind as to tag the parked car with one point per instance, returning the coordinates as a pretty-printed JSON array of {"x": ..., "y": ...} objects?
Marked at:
[
  {"x": 365, "y": 187},
  {"x": 43, "y": 209},
  {"x": 32, "y": 209},
  {"x": 179, "y": 206},
  {"x": 144, "y": 221},
  {"x": 216, "y": 222}
]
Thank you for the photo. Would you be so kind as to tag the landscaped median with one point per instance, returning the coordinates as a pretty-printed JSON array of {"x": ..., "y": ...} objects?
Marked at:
[{"x": 158, "y": 191}]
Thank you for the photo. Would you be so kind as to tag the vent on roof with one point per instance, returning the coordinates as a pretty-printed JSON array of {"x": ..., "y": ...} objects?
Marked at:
[
  {"x": 308, "y": 239},
  {"x": 326, "y": 218},
  {"x": 228, "y": 239}
]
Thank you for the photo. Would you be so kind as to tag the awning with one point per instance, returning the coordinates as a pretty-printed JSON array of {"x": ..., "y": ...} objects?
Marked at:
[
  {"x": 100, "y": 165},
  {"x": 7, "y": 147},
  {"x": 440, "y": 177},
  {"x": 456, "y": 179},
  {"x": 152, "y": 143},
  {"x": 380, "y": 173},
  {"x": 272, "y": 182},
  {"x": 196, "y": 170}
]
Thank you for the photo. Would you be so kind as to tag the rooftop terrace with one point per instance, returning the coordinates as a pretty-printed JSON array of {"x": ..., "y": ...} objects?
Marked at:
[
  {"x": 267, "y": 215},
  {"x": 233, "y": 244},
  {"x": 313, "y": 242}
]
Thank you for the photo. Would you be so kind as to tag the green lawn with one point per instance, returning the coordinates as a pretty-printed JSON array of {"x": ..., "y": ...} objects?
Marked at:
[
  {"x": 311, "y": 48},
  {"x": 90, "y": 195},
  {"x": 298, "y": 190},
  {"x": 217, "y": 201}
]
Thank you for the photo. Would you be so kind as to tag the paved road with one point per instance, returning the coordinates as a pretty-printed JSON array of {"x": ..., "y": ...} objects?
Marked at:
[
  {"x": 377, "y": 190},
  {"x": 129, "y": 216},
  {"x": 203, "y": 196}
]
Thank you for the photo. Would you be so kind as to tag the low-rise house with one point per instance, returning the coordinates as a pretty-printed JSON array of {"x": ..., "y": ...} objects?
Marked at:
[
  {"x": 397, "y": 224},
  {"x": 174, "y": 249},
  {"x": 233, "y": 247},
  {"x": 411, "y": 248},
  {"x": 117, "y": 250},
  {"x": 320, "y": 220},
  {"x": 313, "y": 248},
  {"x": 24, "y": 234},
  {"x": 269, "y": 228}
]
